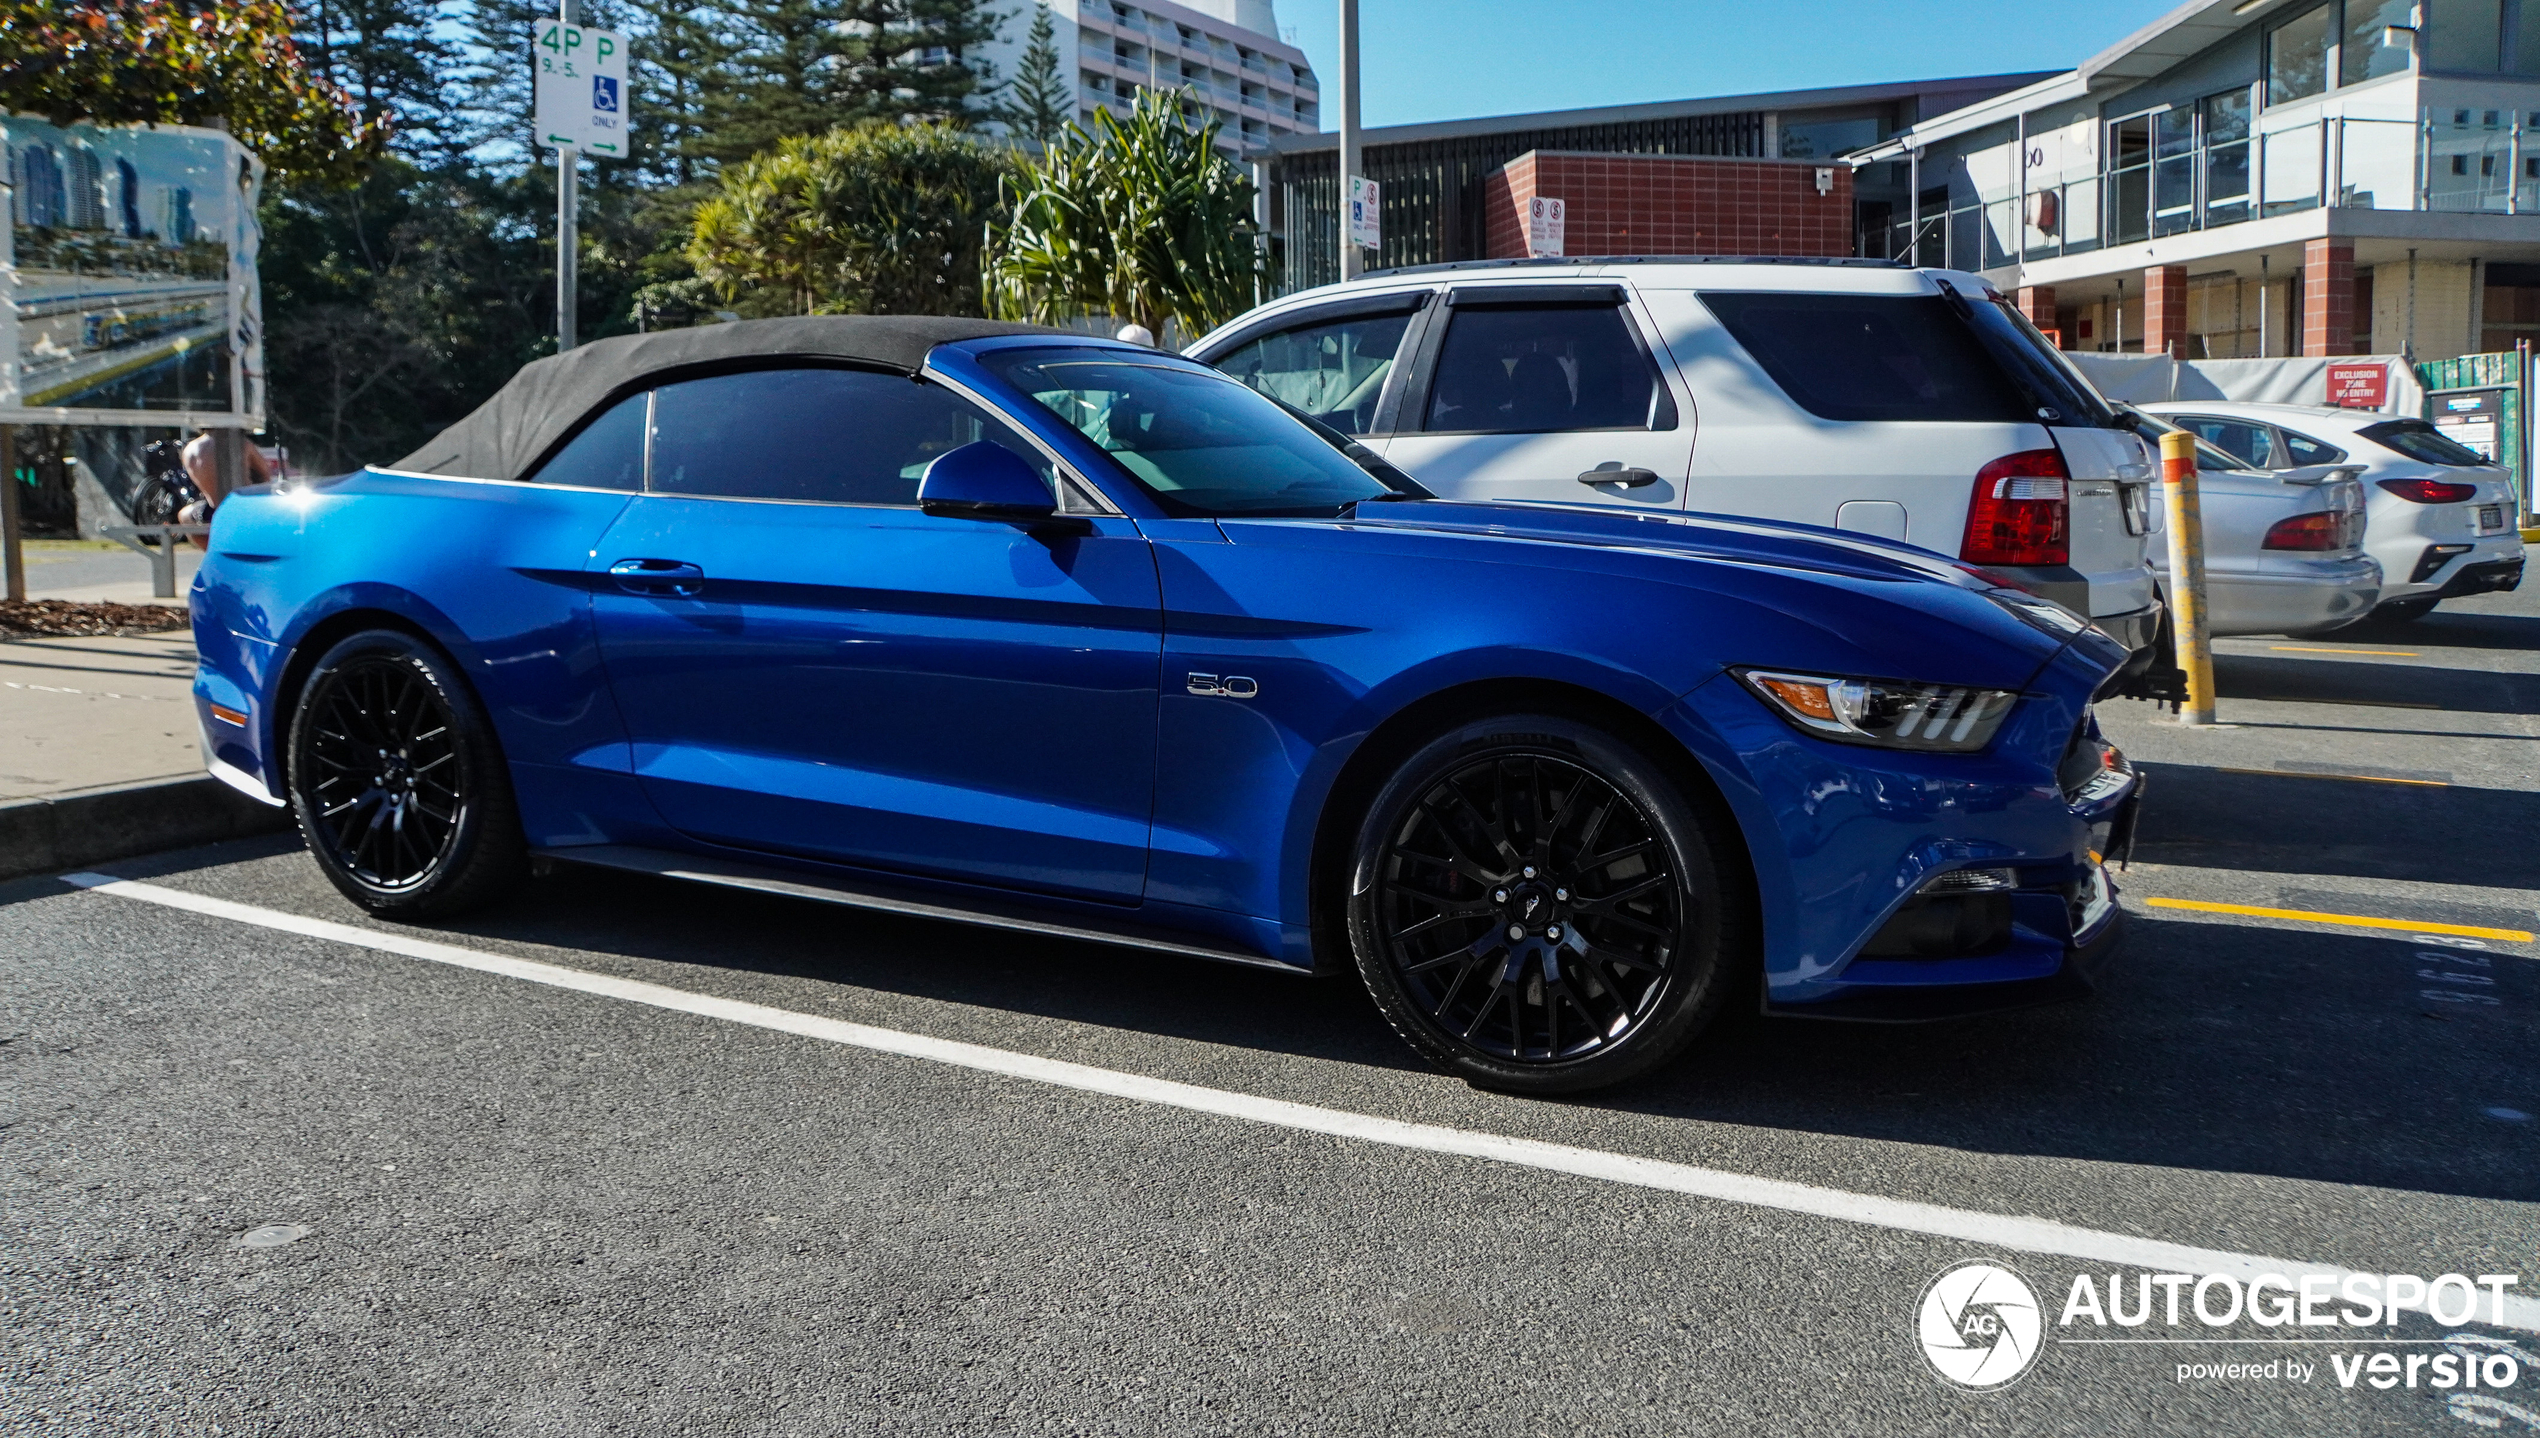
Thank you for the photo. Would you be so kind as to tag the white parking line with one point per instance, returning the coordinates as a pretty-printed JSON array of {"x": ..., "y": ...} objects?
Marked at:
[{"x": 2026, "y": 1235}]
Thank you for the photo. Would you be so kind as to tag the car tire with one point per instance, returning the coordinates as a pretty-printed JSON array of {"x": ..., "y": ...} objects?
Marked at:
[
  {"x": 1535, "y": 906},
  {"x": 2404, "y": 611},
  {"x": 399, "y": 783}
]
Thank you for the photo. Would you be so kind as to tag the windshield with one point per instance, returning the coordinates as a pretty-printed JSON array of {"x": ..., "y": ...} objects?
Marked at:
[
  {"x": 2210, "y": 459},
  {"x": 1200, "y": 443},
  {"x": 2421, "y": 441}
]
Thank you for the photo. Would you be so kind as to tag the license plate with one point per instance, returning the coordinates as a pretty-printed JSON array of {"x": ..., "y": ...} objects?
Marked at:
[{"x": 2490, "y": 517}]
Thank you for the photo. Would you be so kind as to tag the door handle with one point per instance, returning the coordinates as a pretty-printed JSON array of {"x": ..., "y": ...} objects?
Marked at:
[
  {"x": 1612, "y": 472},
  {"x": 658, "y": 576}
]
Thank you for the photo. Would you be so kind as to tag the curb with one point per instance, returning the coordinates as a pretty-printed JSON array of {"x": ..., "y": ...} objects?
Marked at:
[{"x": 48, "y": 834}]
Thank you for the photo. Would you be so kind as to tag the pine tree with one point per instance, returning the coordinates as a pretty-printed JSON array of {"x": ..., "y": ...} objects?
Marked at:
[
  {"x": 1040, "y": 102},
  {"x": 678, "y": 51},
  {"x": 803, "y": 67},
  {"x": 385, "y": 54}
]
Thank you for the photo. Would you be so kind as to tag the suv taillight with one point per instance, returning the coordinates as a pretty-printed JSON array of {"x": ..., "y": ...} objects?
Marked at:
[
  {"x": 2021, "y": 511},
  {"x": 2307, "y": 531},
  {"x": 2430, "y": 491}
]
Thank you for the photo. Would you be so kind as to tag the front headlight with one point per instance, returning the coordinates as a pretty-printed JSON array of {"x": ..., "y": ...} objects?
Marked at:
[{"x": 1888, "y": 713}]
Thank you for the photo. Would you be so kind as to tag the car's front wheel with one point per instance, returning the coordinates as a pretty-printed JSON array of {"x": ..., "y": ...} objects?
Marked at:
[
  {"x": 1536, "y": 906},
  {"x": 399, "y": 783}
]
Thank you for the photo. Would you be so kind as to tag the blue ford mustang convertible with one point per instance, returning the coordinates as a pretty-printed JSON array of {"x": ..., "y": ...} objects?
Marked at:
[{"x": 1008, "y": 626}]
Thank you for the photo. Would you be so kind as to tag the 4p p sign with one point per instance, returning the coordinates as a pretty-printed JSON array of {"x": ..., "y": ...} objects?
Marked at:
[{"x": 582, "y": 100}]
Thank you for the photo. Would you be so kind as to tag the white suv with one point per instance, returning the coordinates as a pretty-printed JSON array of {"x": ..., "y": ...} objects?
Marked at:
[{"x": 1858, "y": 395}]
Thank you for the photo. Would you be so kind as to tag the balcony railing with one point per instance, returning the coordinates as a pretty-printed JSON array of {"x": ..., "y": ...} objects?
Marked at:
[{"x": 2488, "y": 163}]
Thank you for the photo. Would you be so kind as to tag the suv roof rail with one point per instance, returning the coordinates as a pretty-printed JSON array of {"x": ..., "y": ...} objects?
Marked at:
[{"x": 1822, "y": 261}]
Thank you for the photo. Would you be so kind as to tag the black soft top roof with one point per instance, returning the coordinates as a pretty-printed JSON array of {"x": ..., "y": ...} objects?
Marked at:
[{"x": 512, "y": 431}]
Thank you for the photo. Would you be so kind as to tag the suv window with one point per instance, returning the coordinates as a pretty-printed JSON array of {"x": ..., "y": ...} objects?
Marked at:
[
  {"x": 2305, "y": 451},
  {"x": 1334, "y": 371},
  {"x": 1539, "y": 370},
  {"x": 1195, "y": 440},
  {"x": 833, "y": 436},
  {"x": 2251, "y": 444},
  {"x": 2419, "y": 440},
  {"x": 1871, "y": 357},
  {"x": 607, "y": 454}
]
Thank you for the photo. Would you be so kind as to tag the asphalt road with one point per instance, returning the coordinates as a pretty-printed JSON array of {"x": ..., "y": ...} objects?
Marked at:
[{"x": 510, "y": 1205}]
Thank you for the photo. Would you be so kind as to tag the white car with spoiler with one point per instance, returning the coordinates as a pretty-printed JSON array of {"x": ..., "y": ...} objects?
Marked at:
[{"x": 1857, "y": 395}]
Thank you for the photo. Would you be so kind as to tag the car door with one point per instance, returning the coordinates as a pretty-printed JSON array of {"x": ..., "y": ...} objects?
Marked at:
[
  {"x": 1339, "y": 362},
  {"x": 1534, "y": 391},
  {"x": 809, "y": 665}
]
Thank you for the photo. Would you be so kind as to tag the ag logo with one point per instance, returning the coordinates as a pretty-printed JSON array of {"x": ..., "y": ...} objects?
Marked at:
[{"x": 1979, "y": 1326}]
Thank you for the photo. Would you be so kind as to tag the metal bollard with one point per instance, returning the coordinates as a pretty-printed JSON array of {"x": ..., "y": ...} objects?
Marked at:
[{"x": 2188, "y": 622}]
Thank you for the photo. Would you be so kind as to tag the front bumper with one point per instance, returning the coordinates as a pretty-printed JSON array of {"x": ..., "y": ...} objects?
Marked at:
[{"x": 1848, "y": 841}]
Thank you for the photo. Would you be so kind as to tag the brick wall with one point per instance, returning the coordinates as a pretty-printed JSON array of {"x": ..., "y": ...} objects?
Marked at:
[
  {"x": 2328, "y": 297},
  {"x": 1671, "y": 205}
]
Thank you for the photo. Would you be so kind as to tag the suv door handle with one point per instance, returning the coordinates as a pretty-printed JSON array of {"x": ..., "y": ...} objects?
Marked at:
[
  {"x": 1613, "y": 473},
  {"x": 658, "y": 576}
]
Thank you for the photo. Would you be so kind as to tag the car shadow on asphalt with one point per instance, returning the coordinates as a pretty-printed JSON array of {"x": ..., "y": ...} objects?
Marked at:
[
  {"x": 2294, "y": 680},
  {"x": 2293, "y": 823},
  {"x": 2443, "y": 629},
  {"x": 2218, "y": 1046},
  {"x": 2215, "y": 1046}
]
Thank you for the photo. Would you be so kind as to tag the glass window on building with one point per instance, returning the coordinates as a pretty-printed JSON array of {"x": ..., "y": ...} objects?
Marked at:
[
  {"x": 2510, "y": 309},
  {"x": 2226, "y": 121},
  {"x": 2174, "y": 170},
  {"x": 1825, "y": 139},
  {"x": 2365, "y": 55},
  {"x": 2297, "y": 56},
  {"x": 2463, "y": 35}
]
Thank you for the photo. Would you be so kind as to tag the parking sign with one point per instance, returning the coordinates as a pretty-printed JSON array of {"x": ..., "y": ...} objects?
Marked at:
[
  {"x": 581, "y": 87},
  {"x": 1366, "y": 212}
]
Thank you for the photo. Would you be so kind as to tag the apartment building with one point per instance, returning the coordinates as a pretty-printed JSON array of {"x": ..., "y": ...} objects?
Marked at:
[
  {"x": 1223, "y": 55},
  {"x": 2253, "y": 177}
]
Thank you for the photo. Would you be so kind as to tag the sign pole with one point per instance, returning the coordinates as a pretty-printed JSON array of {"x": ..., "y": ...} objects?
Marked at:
[
  {"x": 568, "y": 246},
  {"x": 12, "y": 551},
  {"x": 2188, "y": 622},
  {"x": 1352, "y": 257}
]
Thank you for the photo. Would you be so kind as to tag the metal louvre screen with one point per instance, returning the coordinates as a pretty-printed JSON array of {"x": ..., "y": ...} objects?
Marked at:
[{"x": 1432, "y": 188}]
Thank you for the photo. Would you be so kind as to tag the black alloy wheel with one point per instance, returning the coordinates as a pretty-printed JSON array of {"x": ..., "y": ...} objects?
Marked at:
[
  {"x": 1535, "y": 905},
  {"x": 397, "y": 780}
]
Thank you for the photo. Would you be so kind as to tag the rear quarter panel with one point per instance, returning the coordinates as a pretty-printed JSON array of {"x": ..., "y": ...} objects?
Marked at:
[{"x": 493, "y": 573}]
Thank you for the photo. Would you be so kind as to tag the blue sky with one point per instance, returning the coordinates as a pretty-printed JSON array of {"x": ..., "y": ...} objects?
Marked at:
[{"x": 1454, "y": 59}]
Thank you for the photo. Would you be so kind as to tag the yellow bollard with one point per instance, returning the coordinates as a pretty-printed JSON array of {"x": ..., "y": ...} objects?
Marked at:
[{"x": 2187, "y": 575}]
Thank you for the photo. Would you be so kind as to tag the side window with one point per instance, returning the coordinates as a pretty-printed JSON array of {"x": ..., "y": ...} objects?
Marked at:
[
  {"x": 1333, "y": 371},
  {"x": 1539, "y": 370},
  {"x": 831, "y": 436},
  {"x": 1871, "y": 357},
  {"x": 607, "y": 454},
  {"x": 2251, "y": 444},
  {"x": 2300, "y": 451}
]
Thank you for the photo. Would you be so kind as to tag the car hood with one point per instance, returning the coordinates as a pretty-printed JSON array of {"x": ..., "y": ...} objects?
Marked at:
[
  {"x": 1728, "y": 537},
  {"x": 1782, "y": 593}
]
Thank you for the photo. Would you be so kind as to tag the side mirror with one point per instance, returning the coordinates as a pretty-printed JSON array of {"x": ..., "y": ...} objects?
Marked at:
[{"x": 984, "y": 480}]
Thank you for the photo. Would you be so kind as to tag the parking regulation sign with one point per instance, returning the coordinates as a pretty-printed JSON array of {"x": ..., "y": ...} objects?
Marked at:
[
  {"x": 582, "y": 100},
  {"x": 1366, "y": 212}
]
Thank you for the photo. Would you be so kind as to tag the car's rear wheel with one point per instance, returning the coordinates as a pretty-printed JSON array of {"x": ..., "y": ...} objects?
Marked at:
[
  {"x": 1535, "y": 905},
  {"x": 399, "y": 783}
]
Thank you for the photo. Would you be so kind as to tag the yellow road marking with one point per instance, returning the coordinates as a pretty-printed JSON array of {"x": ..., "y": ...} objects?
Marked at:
[
  {"x": 2298, "y": 649},
  {"x": 2360, "y": 921},
  {"x": 2358, "y": 778}
]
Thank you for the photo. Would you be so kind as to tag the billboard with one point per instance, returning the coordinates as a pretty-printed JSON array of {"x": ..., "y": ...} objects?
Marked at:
[{"x": 129, "y": 269}]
